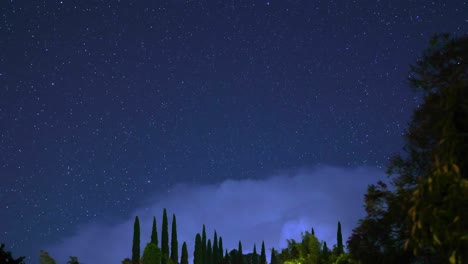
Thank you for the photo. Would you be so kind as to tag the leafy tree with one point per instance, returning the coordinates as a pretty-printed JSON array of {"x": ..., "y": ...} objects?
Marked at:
[
  {"x": 198, "y": 254},
  {"x": 262, "y": 254},
  {"x": 184, "y": 257},
  {"x": 73, "y": 260},
  {"x": 6, "y": 257},
  {"x": 127, "y": 261},
  {"x": 437, "y": 213},
  {"x": 174, "y": 244},
  {"x": 151, "y": 254},
  {"x": 154, "y": 233},
  {"x": 164, "y": 239},
  {"x": 339, "y": 240},
  {"x": 428, "y": 196},
  {"x": 136, "y": 242},
  {"x": 44, "y": 258}
]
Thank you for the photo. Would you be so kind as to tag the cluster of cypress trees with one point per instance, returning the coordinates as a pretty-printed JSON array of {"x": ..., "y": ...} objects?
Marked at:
[
  {"x": 207, "y": 252},
  {"x": 153, "y": 254}
]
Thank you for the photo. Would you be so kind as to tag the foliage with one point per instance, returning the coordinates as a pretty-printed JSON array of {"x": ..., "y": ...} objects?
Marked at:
[
  {"x": 174, "y": 243},
  {"x": 44, "y": 258},
  {"x": 428, "y": 190},
  {"x": 151, "y": 254},
  {"x": 438, "y": 215},
  {"x": 6, "y": 257},
  {"x": 136, "y": 242}
]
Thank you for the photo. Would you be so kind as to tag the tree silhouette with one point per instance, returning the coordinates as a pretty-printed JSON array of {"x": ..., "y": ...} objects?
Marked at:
[
  {"x": 154, "y": 232},
  {"x": 164, "y": 239},
  {"x": 136, "y": 242},
  {"x": 6, "y": 257},
  {"x": 174, "y": 243},
  {"x": 184, "y": 256}
]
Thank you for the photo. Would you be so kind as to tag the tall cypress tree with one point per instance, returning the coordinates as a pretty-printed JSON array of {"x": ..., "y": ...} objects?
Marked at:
[
  {"x": 263, "y": 255},
  {"x": 339, "y": 240},
  {"x": 174, "y": 244},
  {"x": 215, "y": 248},
  {"x": 313, "y": 232},
  {"x": 273, "y": 259},
  {"x": 209, "y": 253},
  {"x": 154, "y": 233},
  {"x": 255, "y": 255},
  {"x": 203, "y": 244},
  {"x": 136, "y": 242},
  {"x": 184, "y": 257},
  {"x": 240, "y": 255},
  {"x": 325, "y": 252},
  {"x": 220, "y": 248},
  {"x": 197, "y": 253},
  {"x": 164, "y": 239}
]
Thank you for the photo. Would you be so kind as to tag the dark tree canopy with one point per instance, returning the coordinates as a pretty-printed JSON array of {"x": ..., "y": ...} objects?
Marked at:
[
  {"x": 428, "y": 197},
  {"x": 6, "y": 257}
]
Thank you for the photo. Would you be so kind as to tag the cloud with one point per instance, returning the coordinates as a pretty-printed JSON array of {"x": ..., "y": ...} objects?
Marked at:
[{"x": 272, "y": 209}]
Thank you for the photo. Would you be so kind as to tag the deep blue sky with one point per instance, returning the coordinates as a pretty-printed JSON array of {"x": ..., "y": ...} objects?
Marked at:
[{"x": 104, "y": 102}]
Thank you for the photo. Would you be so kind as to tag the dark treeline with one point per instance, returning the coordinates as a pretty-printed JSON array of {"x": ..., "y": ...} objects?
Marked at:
[{"x": 421, "y": 218}]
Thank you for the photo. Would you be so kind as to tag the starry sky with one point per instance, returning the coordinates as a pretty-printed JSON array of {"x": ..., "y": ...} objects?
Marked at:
[{"x": 104, "y": 104}]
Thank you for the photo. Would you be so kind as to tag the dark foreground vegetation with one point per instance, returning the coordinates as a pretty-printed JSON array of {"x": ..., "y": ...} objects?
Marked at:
[{"x": 421, "y": 218}]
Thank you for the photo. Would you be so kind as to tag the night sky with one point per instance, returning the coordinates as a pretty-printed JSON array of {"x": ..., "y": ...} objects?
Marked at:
[{"x": 109, "y": 106}]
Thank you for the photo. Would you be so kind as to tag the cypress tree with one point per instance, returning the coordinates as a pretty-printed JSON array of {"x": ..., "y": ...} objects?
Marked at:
[
  {"x": 255, "y": 255},
  {"x": 203, "y": 244},
  {"x": 273, "y": 257},
  {"x": 215, "y": 248},
  {"x": 239, "y": 254},
  {"x": 220, "y": 248},
  {"x": 313, "y": 233},
  {"x": 174, "y": 244},
  {"x": 226, "y": 259},
  {"x": 325, "y": 252},
  {"x": 197, "y": 253},
  {"x": 209, "y": 253},
  {"x": 184, "y": 257},
  {"x": 263, "y": 255},
  {"x": 154, "y": 233},
  {"x": 136, "y": 242},
  {"x": 164, "y": 239},
  {"x": 339, "y": 240}
]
